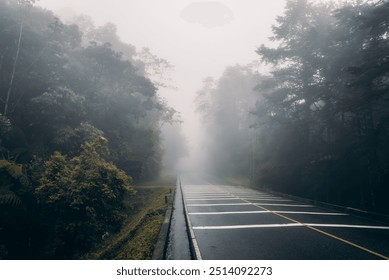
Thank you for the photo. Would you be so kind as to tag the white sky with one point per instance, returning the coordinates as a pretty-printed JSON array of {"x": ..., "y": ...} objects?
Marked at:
[{"x": 194, "y": 50}]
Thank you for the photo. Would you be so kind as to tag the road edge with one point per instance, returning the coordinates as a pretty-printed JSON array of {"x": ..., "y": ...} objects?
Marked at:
[
  {"x": 160, "y": 249},
  {"x": 194, "y": 248}
]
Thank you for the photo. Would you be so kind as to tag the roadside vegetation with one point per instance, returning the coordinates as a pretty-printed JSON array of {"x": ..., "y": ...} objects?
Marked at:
[
  {"x": 311, "y": 116},
  {"x": 140, "y": 232},
  {"x": 80, "y": 124}
]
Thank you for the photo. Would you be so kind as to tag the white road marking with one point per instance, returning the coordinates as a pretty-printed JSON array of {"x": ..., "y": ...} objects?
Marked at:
[
  {"x": 247, "y": 226},
  {"x": 191, "y": 232},
  {"x": 228, "y": 213},
  {"x": 216, "y": 198},
  {"x": 254, "y": 194},
  {"x": 208, "y": 193},
  {"x": 260, "y": 196},
  {"x": 245, "y": 196},
  {"x": 261, "y": 212},
  {"x": 227, "y": 194},
  {"x": 250, "y": 194},
  {"x": 288, "y": 225},
  {"x": 312, "y": 213},
  {"x": 208, "y": 196},
  {"x": 348, "y": 226},
  {"x": 219, "y": 204},
  {"x": 231, "y": 196},
  {"x": 235, "y": 198},
  {"x": 246, "y": 203},
  {"x": 287, "y": 205},
  {"x": 264, "y": 198}
]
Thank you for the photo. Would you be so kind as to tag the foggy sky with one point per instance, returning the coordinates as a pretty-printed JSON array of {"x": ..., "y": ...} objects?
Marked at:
[{"x": 200, "y": 38}]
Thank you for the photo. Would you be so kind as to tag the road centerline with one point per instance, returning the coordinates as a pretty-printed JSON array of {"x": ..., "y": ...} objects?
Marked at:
[{"x": 319, "y": 230}]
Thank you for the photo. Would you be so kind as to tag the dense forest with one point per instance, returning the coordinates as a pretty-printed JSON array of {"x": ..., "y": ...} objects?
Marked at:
[
  {"x": 80, "y": 120},
  {"x": 316, "y": 124}
]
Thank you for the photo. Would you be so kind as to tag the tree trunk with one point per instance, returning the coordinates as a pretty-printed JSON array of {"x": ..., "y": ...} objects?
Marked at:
[{"x": 6, "y": 105}]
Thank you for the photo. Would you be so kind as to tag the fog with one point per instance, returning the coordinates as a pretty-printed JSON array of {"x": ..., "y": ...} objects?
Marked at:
[
  {"x": 200, "y": 38},
  {"x": 301, "y": 112},
  {"x": 104, "y": 103}
]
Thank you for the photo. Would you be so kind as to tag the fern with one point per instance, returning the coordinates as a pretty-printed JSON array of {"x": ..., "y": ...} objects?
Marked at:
[
  {"x": 12, "y": 185},
  {"x": 14, "y": 170},
  {"x": 5, "y": 125},
  {"x": 11, "y": 200}
]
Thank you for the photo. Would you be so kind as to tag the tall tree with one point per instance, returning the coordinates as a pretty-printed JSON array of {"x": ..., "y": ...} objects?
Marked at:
[
  {"x": 327, "y": 97},
  {"x": 225, "y": 106},
  {"x": 25, "y": 4}
]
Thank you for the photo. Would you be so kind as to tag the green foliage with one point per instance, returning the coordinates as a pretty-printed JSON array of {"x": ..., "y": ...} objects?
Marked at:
[
  {"x": 65, "y": 78},
  {"x": 13, "y": 185},
  {"x": 82, "y": 198},
  {"x": 14, "y": 170},
  {"x": 70, "y": 139},
  {"x": 319, "y": 127},
  {"x": 63, "y": 86},
  {"x": 59, "y": 106},
  {"x": 323, "y": 115},
  {"x": 5, "y": 125},
  {"x": 14, "y": 203}
]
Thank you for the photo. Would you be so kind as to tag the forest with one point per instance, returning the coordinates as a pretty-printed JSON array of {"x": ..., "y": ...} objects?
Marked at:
[
  {"x": 311, "y": 116},
  {"x": 80, "y": 121}
]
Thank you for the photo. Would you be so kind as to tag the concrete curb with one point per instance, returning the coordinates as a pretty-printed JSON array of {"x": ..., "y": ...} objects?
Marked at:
[
  {"x": 194, "y": 248},
  {"x": 160, "y": 248}
]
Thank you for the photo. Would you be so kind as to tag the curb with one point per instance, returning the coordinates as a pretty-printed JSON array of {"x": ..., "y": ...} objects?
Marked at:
[
  {"x": 159, "y": 252},
  {"x": 194, "y": 248}
]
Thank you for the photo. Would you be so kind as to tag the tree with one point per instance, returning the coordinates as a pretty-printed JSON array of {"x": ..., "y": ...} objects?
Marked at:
[
  {"x": 15, "y": 210},
  {"x": 225, "y": 106},
  {"x": 65, "y": 92},
  {"x": 367, "y": 95},
  {"x": 323, "y": 113},
  {"x": 82, "y": 198},
  {"x": 24, "y": 4},
  {"x": 156, "y": 69}
]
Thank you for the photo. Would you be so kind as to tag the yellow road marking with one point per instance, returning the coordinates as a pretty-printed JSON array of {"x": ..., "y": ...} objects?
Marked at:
[
  {"x": 312, "y": 228},
  {"x": 321, "y": 231}
]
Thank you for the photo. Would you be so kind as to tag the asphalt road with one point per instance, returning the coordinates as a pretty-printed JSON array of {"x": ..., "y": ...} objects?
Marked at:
[{"x": 231, "y": 222}]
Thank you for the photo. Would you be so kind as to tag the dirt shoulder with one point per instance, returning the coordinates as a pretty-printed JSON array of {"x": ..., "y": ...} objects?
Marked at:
[{"x": 137, "y": 239}]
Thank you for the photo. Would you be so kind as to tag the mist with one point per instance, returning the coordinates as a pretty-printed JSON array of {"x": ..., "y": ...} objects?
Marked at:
[
  {"x": 105, "y": 104},
  {"x": 220, "y": 69},
  {"x": 199, "y": 38}
]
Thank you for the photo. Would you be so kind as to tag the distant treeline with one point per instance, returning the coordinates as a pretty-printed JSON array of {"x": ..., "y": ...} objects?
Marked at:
[
  {"x": 79, "y": 120},
  {"x": 317, "y": 125}
]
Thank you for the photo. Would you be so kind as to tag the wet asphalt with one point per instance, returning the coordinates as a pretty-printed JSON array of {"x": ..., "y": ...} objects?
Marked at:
[
  {"x": 178, "y": 242},
  {"x": 234, "y": 222}
]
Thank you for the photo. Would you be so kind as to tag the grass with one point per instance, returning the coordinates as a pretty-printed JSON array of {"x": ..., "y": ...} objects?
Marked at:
[{"x": 137, "y": 239}]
